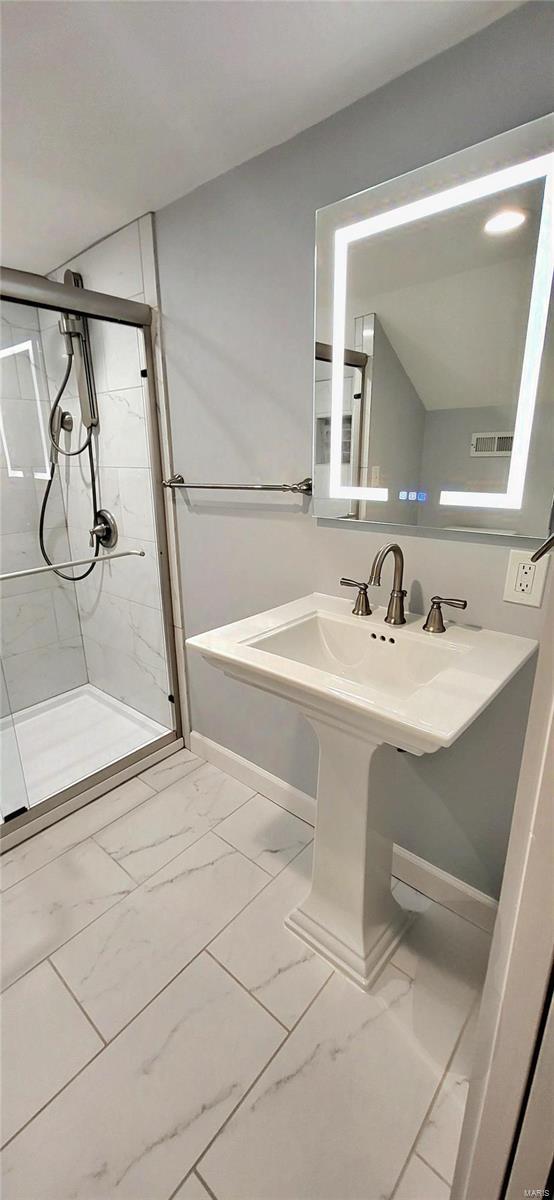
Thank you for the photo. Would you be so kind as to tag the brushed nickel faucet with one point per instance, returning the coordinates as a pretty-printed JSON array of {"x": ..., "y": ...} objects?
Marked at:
[
  {"x": 395, "y": 610},
  {"x": 435, "y": 622},
  {"x": 361, "y": 606}
]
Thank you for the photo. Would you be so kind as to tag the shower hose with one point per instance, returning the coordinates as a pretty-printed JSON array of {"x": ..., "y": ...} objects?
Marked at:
[{"x": 87, "y": 445}]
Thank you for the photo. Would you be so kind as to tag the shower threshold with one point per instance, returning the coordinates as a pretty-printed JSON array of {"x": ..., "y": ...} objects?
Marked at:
[{"x": 64, "y": 740}]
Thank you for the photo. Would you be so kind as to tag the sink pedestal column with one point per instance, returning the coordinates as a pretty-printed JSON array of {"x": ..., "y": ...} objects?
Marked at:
[{"x": 349, "y": 916}]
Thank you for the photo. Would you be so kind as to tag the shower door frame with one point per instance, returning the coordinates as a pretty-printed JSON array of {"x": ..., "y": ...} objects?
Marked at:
[{"x": 23, "y": 287}]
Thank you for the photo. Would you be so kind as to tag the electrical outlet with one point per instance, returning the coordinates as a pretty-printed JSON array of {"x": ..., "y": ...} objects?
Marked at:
[{"x": 524, "y": 579}]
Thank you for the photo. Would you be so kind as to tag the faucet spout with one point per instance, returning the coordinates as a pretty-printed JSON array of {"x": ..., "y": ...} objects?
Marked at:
[{"x": 395, "y": 610}]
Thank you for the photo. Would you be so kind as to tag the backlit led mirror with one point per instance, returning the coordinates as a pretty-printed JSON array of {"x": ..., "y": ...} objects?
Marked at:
[{"x": 434, "y": 373}]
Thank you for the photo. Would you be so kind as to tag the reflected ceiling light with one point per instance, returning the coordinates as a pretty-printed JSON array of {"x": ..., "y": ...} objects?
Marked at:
[
  {"x": 505, "y": 220},
  {"x": 427, "y": 206}
]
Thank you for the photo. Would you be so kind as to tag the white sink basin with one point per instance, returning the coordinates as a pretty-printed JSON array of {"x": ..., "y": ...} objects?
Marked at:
[
  {"x": 339, "y": 645},
  {"x": 361, "y": 682},
  {"x": 413, "y": 689}
]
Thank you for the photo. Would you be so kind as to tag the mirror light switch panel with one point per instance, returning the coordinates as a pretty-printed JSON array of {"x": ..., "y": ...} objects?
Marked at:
[{"x": 524, "y": 579}]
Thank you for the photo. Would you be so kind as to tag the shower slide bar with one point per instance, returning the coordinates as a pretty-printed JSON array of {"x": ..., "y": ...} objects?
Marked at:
[
  {"x": 304, "y": 487},
  {"x": 75, "y": 562}
]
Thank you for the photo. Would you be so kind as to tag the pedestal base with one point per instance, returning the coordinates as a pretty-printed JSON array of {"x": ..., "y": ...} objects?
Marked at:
[
  {"x": 349, "y": 916},
  {"x": 362, "y": 971}
]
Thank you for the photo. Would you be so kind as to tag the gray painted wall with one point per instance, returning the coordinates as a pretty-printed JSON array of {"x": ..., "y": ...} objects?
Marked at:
[
  {"x": 446, "y": 462},
  {"x": 236, "y": 264}
]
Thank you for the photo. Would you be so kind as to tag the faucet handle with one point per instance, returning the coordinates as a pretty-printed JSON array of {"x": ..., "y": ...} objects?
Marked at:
[
  {"x": 434, "y": 622},
  {"x": 361, "y": 607}
]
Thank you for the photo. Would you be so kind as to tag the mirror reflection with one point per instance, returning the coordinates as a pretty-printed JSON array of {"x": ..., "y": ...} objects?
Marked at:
[{"x": 437, "y": 311}]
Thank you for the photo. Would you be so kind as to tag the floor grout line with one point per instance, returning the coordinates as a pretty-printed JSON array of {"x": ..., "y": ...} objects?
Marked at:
[
  {"x": 79, "y": 841},
  {"x": 254, "y": 860},
  {"x": 432, "y": 1168},
  {"x": 53, "y": 950},
  {"x": 248, "y": 856},
  {"x": 198, "y": 838},
  {"x": 252, "y": 1086},
  {"x": 288, "y": 1034},
  {"x": 197, "y": 955},
  {"x": 117, "y": 864},
  {"x": 205, "y": 950},
  {"x": 413, "y": 1147},
  {"x": 54, "y": 1097},
  {"x": 77, "y": 1001},
  {"x": 106, "y": 1045},
  {"x": 135, "y": 887},
  {"x": 202, "y": 950},
  {"x": 204, "y": 1184},
  {"x": 245, "y": 989},
  {"x": 134, "y": 808},
  {"x": 166, "y": 762}
]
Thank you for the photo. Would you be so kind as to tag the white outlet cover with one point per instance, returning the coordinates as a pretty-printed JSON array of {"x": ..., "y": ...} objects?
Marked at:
[{"x": 532, "y": 599}]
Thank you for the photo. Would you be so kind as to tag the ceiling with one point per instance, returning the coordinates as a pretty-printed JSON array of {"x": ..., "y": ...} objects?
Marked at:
[{"x": 112, "y": 108}]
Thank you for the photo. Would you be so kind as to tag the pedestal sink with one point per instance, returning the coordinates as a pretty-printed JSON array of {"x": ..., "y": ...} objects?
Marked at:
[{"x": 361, "y": 682}]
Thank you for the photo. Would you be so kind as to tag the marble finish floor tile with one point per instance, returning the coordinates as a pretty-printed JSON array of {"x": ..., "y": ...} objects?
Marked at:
[
  {"x": 266, "y": 833},
  {"x": 420, "y": 1183},
  {"x": 277, "y": 967},
  {"x": 166, "y": 772},
  {"x": 440, "y": 1137},
  {"x": 446, "y": 951},
  {"x": 337, "y": 1111},
  {"x": 134, "y": 1122},
  {"x": 120, "y": 963},
  {"x": 46, "y": 1039},
  {"x": 148, "y": 838},
  {"x": 29, "y": 856},
  {"x": 49, "y": 907}
]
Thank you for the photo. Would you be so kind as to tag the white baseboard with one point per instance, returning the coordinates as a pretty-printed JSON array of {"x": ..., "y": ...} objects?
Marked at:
[
  {"x": 446, "y": 889},
  {"x": 276, "y": 789}
]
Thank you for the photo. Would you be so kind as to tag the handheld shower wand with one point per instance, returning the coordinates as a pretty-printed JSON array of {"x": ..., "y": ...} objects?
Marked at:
[{"x": 74, "y": 331}]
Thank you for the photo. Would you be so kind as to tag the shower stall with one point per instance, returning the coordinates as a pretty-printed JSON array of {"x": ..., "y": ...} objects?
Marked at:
[{"x": 88, "y": 679}]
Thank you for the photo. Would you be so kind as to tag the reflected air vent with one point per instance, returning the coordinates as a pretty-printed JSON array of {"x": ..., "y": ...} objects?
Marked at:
[{"x": 491, "y": 445}]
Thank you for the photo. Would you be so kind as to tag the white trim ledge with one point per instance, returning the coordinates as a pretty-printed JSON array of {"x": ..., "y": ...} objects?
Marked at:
[{"x": 452, "y": 893}]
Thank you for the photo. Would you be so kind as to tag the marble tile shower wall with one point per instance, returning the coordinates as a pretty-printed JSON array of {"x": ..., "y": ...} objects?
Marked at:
[
  {"x": 119, "y": 604},
  {"x": 41, "y": 644}
]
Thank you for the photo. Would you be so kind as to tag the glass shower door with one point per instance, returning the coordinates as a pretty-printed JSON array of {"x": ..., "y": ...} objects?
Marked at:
[
  {"x": 13, "y": 793},
  {"x": 86, "y": 648}
]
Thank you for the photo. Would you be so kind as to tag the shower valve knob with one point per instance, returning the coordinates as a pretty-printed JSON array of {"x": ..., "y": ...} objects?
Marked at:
[
  {"x": 98, "y": 531},
  {"x": 105, "y": 529}
]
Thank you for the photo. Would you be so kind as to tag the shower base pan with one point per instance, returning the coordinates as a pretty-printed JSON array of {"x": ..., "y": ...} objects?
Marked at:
[{"x": 64, "y": 740}]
